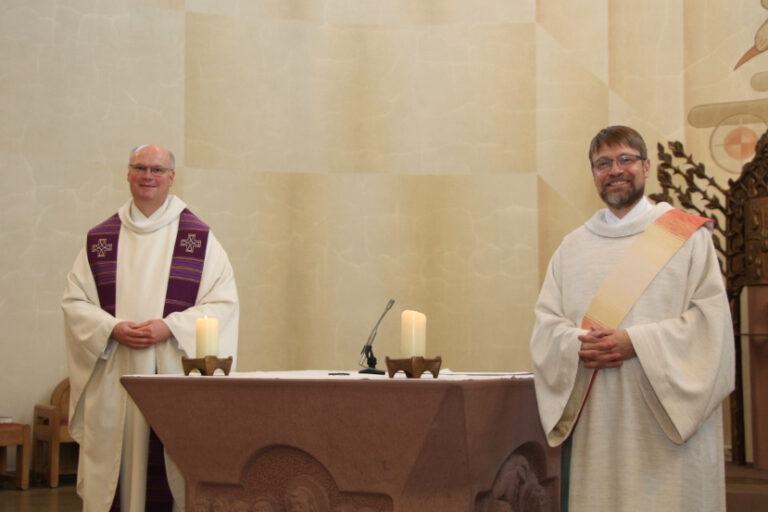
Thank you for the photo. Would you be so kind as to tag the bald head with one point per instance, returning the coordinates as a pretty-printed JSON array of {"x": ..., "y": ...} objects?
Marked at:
[
  {"x": 155, "y": 147},
  {"x": 150, "y": 176}
]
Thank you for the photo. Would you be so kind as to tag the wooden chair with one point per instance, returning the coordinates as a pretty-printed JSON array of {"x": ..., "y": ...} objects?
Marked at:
[
  {"x": 51, "y": 430},
  {"x": 15, "y": 434}
]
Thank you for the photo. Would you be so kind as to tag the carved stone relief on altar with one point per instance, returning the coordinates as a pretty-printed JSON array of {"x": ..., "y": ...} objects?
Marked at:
[
  {"x": 521, "y": 484},
  {"x": 285, "y": 479}
]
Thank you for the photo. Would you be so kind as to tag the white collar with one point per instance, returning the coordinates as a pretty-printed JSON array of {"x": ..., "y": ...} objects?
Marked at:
[
  {"x": 133, "y": 219},
  {"x": 141, "y": 220},
  {"x": 642, "y": 207}
]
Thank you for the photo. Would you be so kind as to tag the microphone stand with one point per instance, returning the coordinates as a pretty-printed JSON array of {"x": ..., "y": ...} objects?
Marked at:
[{"x": 367, "y": 359}]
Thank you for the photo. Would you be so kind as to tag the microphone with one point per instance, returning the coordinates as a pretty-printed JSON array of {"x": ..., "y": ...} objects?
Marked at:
[{"x": 367, "y": 359}]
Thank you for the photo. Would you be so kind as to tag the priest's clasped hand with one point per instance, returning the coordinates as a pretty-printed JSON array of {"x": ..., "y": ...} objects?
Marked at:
[
  {"x": 141, "y": 335},
  {"x": 605, "y": 348}
]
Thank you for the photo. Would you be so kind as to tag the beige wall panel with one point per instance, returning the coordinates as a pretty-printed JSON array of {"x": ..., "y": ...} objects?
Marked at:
[
  {"x": 225, "y": 7},
  {"x": 581, "y": 29},
  {"x": 375, "y": 12},
  {"x": 556, "y": 217},
  {"x": 292, "y": 97},
  {"x": 646, "y": 58},
  {"x": 84, "y": 77},
  {"x": 176, "y": 5},
  {"x": 572, "y": 105},
  {"x": 318, "y": 256},
  {"x": 83, "y": 82},
  {"x": 464, "y": 12}
]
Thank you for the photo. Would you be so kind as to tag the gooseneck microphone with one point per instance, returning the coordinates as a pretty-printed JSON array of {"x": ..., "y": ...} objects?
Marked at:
[{"x": 367, "y": 359}]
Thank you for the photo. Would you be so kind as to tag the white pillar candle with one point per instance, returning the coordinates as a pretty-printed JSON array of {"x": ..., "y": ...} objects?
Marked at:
[
  {"x": 207, "y": 331},
  {"x": 413, "y": 334}
]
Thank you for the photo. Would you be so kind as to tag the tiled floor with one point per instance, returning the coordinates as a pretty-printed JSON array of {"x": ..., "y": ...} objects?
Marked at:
[{"x": 747, "y": 491}]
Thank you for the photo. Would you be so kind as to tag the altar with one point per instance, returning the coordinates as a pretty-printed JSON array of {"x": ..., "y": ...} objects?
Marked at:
[{"x": 331, "y": 441}]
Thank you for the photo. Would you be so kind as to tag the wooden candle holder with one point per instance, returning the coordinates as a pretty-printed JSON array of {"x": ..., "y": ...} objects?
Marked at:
[
  {"x": 413, "y": 367},
  {"x": 206, "y": 365}
]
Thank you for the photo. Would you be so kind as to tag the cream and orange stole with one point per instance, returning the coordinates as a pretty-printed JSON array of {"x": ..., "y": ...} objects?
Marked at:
[{"x": 622, "y": 288}]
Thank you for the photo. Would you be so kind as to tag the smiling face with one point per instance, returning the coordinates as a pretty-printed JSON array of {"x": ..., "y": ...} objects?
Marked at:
[
  {"x": 150, "y": 189},
  {"x": 620, "y": 186}
]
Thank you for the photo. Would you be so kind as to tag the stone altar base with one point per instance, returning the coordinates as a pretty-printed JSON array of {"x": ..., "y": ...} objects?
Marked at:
[{"x": 310, "y": 441}]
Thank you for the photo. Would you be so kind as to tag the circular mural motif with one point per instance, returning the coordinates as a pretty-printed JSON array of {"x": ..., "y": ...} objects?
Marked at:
[{"x": 733, "y": 141}]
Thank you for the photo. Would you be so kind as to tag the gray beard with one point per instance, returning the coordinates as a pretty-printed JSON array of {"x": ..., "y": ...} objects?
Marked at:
[{"x": 622, "y": 199}]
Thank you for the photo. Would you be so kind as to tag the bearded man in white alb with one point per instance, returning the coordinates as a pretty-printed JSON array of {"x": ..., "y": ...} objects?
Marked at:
[
  {"x": 133, "y": 295},
  {"x": 633, "y": 348}
]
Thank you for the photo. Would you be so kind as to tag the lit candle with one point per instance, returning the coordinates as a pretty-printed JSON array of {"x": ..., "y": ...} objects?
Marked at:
[
  {"x": 413, "y": 333},
  {"x": 207, "y": 330}
]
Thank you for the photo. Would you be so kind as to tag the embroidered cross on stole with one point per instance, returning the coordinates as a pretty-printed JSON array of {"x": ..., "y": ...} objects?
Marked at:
[{"x": 186, "y": 264}]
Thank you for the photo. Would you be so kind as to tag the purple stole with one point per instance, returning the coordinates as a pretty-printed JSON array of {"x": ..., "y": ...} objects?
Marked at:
[{"x": 186, "y": 263}]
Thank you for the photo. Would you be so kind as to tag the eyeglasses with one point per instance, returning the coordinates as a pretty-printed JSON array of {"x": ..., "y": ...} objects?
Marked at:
[
  {"x": 624, "y": 162},
  {"x": 156, "y": 170}
]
